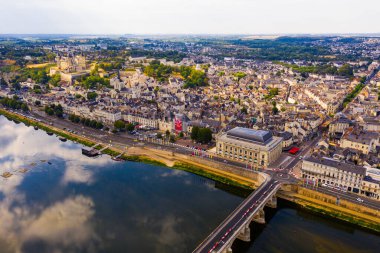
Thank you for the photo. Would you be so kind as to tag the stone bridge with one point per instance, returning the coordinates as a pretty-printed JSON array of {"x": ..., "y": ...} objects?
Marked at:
[{"x": 236, "y": 225}]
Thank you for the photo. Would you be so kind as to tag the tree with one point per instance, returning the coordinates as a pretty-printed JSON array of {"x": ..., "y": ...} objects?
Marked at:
[
  {"x": 55, "y": 79},
  {"x": 92, "y": 95},
  {"x": 172, "y": 138},
  {"x": 181, "y": 134},
  {"x": 158, "y": 70},
  {"x": 130, "y": 127},
  {"x": 243, "y": 110},
  {"x": 204, "y": 135},
  {"x": 196, "y": 78},
  {"x": 194, "y": 133},
  {"x": 346, "y": 70},
  {"x": 24, "y": 107},
  {"x": 167, "y": 133},
  {"x": 99, "y": 125},
  {"x": 49, "y": 110},
  {"x": 239, "y": 75},
  {"x": 119, "y": 125},
  {"x": 58, "y": 111},
  {"x": 92, "y": 82},
  {"x": 159, "y": 136}
]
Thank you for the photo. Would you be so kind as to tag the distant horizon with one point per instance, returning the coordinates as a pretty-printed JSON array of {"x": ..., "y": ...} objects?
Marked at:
[
  {"x": 196, "y": 17},
  {"x": 195, "y": 34}
]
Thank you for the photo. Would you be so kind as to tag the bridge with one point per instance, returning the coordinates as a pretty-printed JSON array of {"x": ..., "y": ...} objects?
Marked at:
[{"x": 236, "y": 225}]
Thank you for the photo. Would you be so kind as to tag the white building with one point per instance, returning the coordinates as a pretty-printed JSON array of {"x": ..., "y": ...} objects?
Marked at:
[{"x": 256, "y": 147}]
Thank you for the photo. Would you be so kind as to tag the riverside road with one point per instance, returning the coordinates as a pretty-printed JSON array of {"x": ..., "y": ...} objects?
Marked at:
[{"x": 280, "y": 170}]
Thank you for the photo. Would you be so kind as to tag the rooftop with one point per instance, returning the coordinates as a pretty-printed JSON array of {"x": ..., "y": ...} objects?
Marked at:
[
  {"x": 338, "y": 164},
  {"x": 250, "y": 135}
]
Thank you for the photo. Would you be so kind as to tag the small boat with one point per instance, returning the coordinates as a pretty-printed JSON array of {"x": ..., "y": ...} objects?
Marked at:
[
  {"x": 49, "y": 163},
  {"x": 90, "y": 152},
  {"x": 35, "y": 127},
  {"x": 63, "y": 139},
  {"x": 49, "y": 133}
]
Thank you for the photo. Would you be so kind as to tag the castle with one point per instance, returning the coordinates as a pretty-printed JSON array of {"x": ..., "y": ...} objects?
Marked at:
[{"x": 70, "y": 67}]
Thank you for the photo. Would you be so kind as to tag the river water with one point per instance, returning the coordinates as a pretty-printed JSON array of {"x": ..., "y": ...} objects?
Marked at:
[{"x": 58, "y": 200}]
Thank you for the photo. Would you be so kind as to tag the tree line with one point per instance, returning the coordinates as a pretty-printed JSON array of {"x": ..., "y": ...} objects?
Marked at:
[
  {"x": 86, "y": 122},
  {"x": 53, "y": 109},
  {"x": 14, "y": 103}
]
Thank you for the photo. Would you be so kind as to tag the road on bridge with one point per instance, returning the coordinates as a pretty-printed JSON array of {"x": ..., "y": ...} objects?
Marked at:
[{"x": 229, "y": 227}]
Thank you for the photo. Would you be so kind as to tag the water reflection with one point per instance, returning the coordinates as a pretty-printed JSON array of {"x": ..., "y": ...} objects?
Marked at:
[{"x": 60, "y": 201}]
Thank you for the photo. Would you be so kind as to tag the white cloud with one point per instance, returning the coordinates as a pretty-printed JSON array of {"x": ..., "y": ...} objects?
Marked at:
[
  {"x": 65, "y": 224},
  {"x": 76, "y": 173},
  {"x": 22, "y": 151}
]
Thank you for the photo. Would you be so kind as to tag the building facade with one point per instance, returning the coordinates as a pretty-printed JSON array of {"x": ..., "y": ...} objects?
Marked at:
[
  {"x": 324, "y": 171},
  {"x": 258, "y": 148},
  {"x": 327, "y": 171}
]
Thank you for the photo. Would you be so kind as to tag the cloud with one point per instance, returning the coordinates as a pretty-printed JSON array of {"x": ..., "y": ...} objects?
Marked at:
[
  {"x": 76, "y": 173},
  {"x": 22, "y": 151},
  {"x": 62, "y": 225},
  {"x": 173, "y": 173},
  {"x": 65, "y": 225}
]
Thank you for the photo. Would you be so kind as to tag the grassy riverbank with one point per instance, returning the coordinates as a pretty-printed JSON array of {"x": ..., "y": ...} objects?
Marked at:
[
  {"x": 201, "y": 172},
  {"x": 45, "y": 127},
  {"x": 224, "y": 183},
  {"x": 113, "y": 152},
  {"x": 330, "y": 215},
  {"x": 327, "y": 212},
  {"x": 353, "y": 215}
]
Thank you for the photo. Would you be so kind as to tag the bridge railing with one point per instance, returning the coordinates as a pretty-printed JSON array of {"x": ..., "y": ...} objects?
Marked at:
[
  {"x": 248, "y": 219},
  {"x": 225, "y": 221}
]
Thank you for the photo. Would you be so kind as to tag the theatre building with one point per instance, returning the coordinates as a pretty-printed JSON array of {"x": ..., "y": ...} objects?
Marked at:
[{"x": 258, "y": 148}]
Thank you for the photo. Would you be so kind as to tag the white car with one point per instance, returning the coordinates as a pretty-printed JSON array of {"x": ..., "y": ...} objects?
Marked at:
[{"x": 360, "y": 200}]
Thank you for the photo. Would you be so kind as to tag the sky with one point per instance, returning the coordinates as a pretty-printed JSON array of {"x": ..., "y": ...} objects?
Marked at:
[{"x": 189, "y": 16}]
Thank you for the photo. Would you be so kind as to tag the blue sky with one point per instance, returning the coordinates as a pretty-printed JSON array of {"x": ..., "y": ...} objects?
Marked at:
[{"x": 189, "y": 17}]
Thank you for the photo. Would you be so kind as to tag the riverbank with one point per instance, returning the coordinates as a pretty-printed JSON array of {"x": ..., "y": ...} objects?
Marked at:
[
  {"x": 135, "y": 154},
  {"x": 325, "y": 205},
  {"x": 225, "y": 174}
]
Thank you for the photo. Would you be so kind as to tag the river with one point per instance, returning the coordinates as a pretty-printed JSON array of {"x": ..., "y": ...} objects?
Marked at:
[{"x": 58, "y": 200}]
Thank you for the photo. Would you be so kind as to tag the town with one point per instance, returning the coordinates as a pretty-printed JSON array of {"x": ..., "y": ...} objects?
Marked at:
[{"x": 222, "y": 99}]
